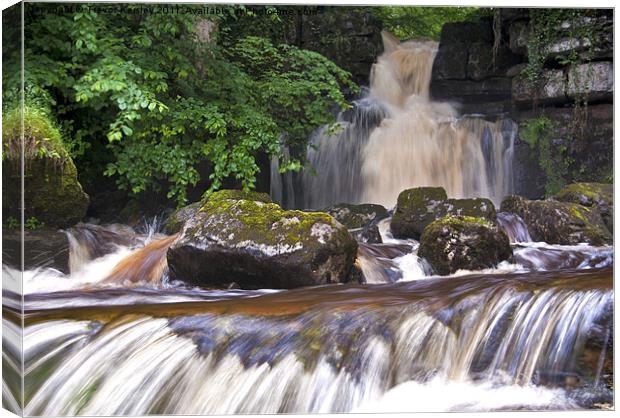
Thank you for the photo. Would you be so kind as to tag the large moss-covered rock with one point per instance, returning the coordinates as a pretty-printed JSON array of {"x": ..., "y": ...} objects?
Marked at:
[
  {"x": 463, "y": 242},
  {"x": 597, "y": 195},
  {"x": 559, "y": 222},
  {"x": 52, "y": 193},
  {"x": 416, "y": 208},
  {"x": 357, "y": 216},
  {"x": 260, "y": 245},
  {"x": 177, "y": 219}
]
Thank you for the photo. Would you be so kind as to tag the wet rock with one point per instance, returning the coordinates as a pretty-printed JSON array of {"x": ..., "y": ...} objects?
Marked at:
[
  {"x": 559, "y": 222},
  {"x": 52, "y": 193},
  {"x": 369, "y": 234},
  {"x": 463, "y": 242},
  {"x": 257, "y": 244},
  {"x": 357, "y": 216},
  {"x": 418, "y": 207},
  {"x": 592, "y": 195},
  {"x": 177, "y": 219},
  {"x": 450, "y": 62},
  {"x": 44, "y": 248},
  {"x": 481, "y": 64},
  {"x": 552, "y": 90},
  {"x": 518, "y": 34}
]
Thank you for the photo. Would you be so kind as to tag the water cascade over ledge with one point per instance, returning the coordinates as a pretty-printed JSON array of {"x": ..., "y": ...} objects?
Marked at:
[{"x": 397, "y": 138}]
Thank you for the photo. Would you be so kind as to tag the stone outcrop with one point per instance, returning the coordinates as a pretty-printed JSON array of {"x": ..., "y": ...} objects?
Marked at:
[
  {"x": 592, "y": 195},
  {"x": 559, "y": 222},
  {"x": 257, "y": 244},
  {"x": 463, "y": 242}
]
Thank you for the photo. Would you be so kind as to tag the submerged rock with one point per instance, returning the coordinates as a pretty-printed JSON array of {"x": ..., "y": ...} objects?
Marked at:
[
  {"x": 559, "y": 222},
  {"x": 257, "y": 244},
  {"x": 417, "y": 208},
  {"x": 597, "y": 195},
  {"x": 463, "y": 242}
]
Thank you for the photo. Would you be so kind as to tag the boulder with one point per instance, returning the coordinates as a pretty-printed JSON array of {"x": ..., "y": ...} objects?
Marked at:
[
  {"x": 257, "y": 244},
  {"x": 53, "y": 196},
  {"x": 418, "y": 207},
  {"x": 177, "y": 219},
  {"x": 592, "y": 195},
  {"x": 559, "y": 222},
  {"x": 463, "y": 242},
  {"x": 357, "y": 216}
]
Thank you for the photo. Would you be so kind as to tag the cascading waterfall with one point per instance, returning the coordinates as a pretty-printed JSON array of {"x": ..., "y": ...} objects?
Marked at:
[
  {"x": 338, "y": 350},
  {"x": 397, "y": 138}
]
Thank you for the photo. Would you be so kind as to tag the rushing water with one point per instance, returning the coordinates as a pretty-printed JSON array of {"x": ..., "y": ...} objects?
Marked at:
[
  {"x": 397, "y": 138},
  {"x": 116, "y": 337}
]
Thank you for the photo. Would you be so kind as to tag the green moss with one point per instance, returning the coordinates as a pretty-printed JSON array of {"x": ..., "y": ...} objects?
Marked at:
[
  {"x": 258, "y": 220},
  {"x": 234, "y": 194},
  {"x": 42, "y": 139}
]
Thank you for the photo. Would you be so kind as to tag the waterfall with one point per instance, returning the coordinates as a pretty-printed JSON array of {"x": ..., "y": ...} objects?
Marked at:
[
  {"x": 324, "y": 349},
  {"x": 397, "y": 138}
]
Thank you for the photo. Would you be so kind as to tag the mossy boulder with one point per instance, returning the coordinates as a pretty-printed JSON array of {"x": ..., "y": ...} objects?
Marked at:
[
  {"x": 417, "y": 208},
  {"x": 463, "y": 242},
  {"x": 52, "y": 193},
  {"x": 177, "y": 219},
  {"x": 559, "y": 222},
  {"x": 257, "y": 244},
  {"x": 592, "y": 195},
  {"x": 357, "y": 216}
]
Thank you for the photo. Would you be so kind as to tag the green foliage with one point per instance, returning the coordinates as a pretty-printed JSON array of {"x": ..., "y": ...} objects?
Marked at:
[
  {"x": 407, "y": 22},
  {"x": 33, "y": 223},
  {"x": 151, "y": 98},
  {"x": 11, "y": 223},
  {"x": 553, "y": 158}
]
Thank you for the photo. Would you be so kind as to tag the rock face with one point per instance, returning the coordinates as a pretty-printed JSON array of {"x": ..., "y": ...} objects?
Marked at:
[
  {"x": 260, "y": 245},
  {"x": 485, "y": 75},
  {"x": 592, "y": 195},
  {"x": 559, "y": 222},
  {"x": 52, "y": 192},
  {"x": 463, "y": 242},
  {"x": 418, "y": 207},
  {"x": 352, "y": 39}
]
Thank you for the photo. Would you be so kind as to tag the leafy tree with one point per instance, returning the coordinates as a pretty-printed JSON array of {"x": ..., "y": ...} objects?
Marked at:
[{"x": 147, "y": 98}]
